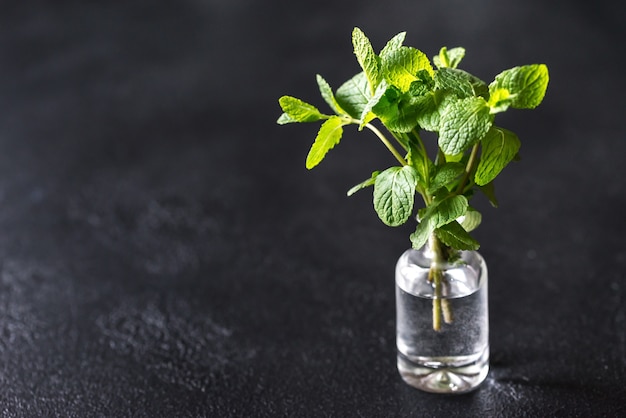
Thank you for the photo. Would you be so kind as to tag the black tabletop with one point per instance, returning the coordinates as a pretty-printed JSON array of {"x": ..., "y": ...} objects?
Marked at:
[{"x": 164, "y": 252}]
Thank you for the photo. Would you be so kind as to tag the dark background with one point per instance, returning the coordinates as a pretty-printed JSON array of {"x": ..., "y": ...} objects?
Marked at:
[{"x": 164, "y": 252}]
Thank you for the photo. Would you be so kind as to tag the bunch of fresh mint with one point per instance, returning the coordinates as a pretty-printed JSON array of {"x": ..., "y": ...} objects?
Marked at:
[{"x": 400, "y": 87}]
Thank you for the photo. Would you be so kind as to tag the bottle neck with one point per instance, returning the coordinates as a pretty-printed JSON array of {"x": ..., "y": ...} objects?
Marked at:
[{"x": 440, "y": 254}]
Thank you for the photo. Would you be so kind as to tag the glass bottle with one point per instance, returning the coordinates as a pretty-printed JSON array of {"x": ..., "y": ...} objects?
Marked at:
[{"x": 442, "y": 318}]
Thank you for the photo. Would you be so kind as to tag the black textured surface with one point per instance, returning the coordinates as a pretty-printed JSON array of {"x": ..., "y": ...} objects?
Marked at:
[{"x": 164, "y": 253}]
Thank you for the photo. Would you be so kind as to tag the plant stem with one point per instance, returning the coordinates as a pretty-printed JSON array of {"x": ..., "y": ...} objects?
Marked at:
[
  {"x": 388, "y": 144},
  {"x": 441, "y": 306},
  {"x": 437, "y": 306},
  {"x": 448, "y": 318},
  {"x": 401, "y": 139},
  {"x": 441, "y": 157},
  {"x": 469, "y": 168}
]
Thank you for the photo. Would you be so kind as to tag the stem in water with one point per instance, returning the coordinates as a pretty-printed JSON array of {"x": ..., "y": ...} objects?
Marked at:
[{"x": 441, "y": 305}]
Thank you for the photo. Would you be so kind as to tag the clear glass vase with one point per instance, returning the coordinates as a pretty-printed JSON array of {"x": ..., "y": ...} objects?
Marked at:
[{"x": 442, "y": 318}]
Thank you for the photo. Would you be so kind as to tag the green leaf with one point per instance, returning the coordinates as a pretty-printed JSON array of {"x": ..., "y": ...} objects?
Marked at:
[
  {"x": 453, "y": 235},
  {"x": 455, "y": 158},
  {"x": 328, "y": 136},
  {"x": 394, "y": 194},
  {"x": 499, "y": 100},
  {"x": 327, "y": 94},
  {"x": 354, "y": 95},
  {"x": 298, "y": 110},
  {"x": 367, "y": 58},
  {"x": 401, "y": 111},
  {"x": 446, "y": 210},
  {"x": 427, "y": 111},
  {"x": 424, "y": 84},
  {"x": 395, "y": 110},
  {"x": 402, "y": 65},
  {"x": 285, "y": 119},
  {"x": 385, "y": 107},
  {"x": 436, "y": 216},
  {"x": 461, "y": 83},
  {"x": 406, "y": 117},
  {"x": 431, "y": 107},
  {"x": 455, "y": 55},
  {"x": 455, "y": 81},
  {"x": 471, "y": 220},
  {"x": 449, "y": 58},
  {"x": 489, "y": 191},
  {"x": 369, "y": 182},
  {"x": 367, "y": 115},
  {"x": 445, "y": 175},
  {"x": 463, "y": 123},
  {"x": 393, "y": 44},
  {"x": 418, "y": 160},
  {"x": 526, "y": 84},
  {"x": 419, "y": 238},
  {"x": 400, "y": 117},
  {"x": 499, "y": 147}
]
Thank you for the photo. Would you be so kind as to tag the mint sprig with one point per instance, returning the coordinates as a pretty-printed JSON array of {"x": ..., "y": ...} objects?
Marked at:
[{"x": 400, "y": 89}]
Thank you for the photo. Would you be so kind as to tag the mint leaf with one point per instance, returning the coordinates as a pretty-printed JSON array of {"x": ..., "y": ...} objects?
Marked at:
[
  {"x": 526, "y": 84},
  {"x": 285, "y": 119},
  {"x": 298, "y": 111},
  {"x": 461, "y": 83},
  {"x": 489, "y": 191},
  {"x": 328, "y": 136},
  {"x": 449, "y": 58},
  {"x": 367, "y": 58},
  {"x": 369, "y": 182},
  {"x": 393, "y": 44},
  {"x": 455, "y": 158},
  {"x": 406, "y": 117},
  {"x": 401, "y": 112},
  {"x": 445, "y": 175},
  {"x": 427, "y": 111},
  {"x": 420, "y": 161},
  {"x": 367, "y": 115},
  {"x": 327, "y": 94},
  {"x": 446, "y": 211},
  {"x": 419, "y": 238},
  {"x": 354, "y": 95},
  {"x": 423, "y": 85},
  {"x": 471, "y": 220},
  {"x": 453, "y": 235},
  {"x": 431, "y": 107},
  {"x": 453, "y": 80},
  {"x": 402, "y": 65},
  {"x": 394, "y": 194},
  {"x": 436, "y": 216},
  {"x": 455, "y": 55},
  {"x": 499, "y": 100},
  {"x": 384, "y": 108},
  {"x": 396, "y": 111},
  {"x": 463, "y": 123},
  {"x": 499, "y": 147}
]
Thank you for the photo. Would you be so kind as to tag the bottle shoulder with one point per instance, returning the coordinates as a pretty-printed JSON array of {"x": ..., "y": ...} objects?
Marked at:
[{"x": 463, "y": 274}]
